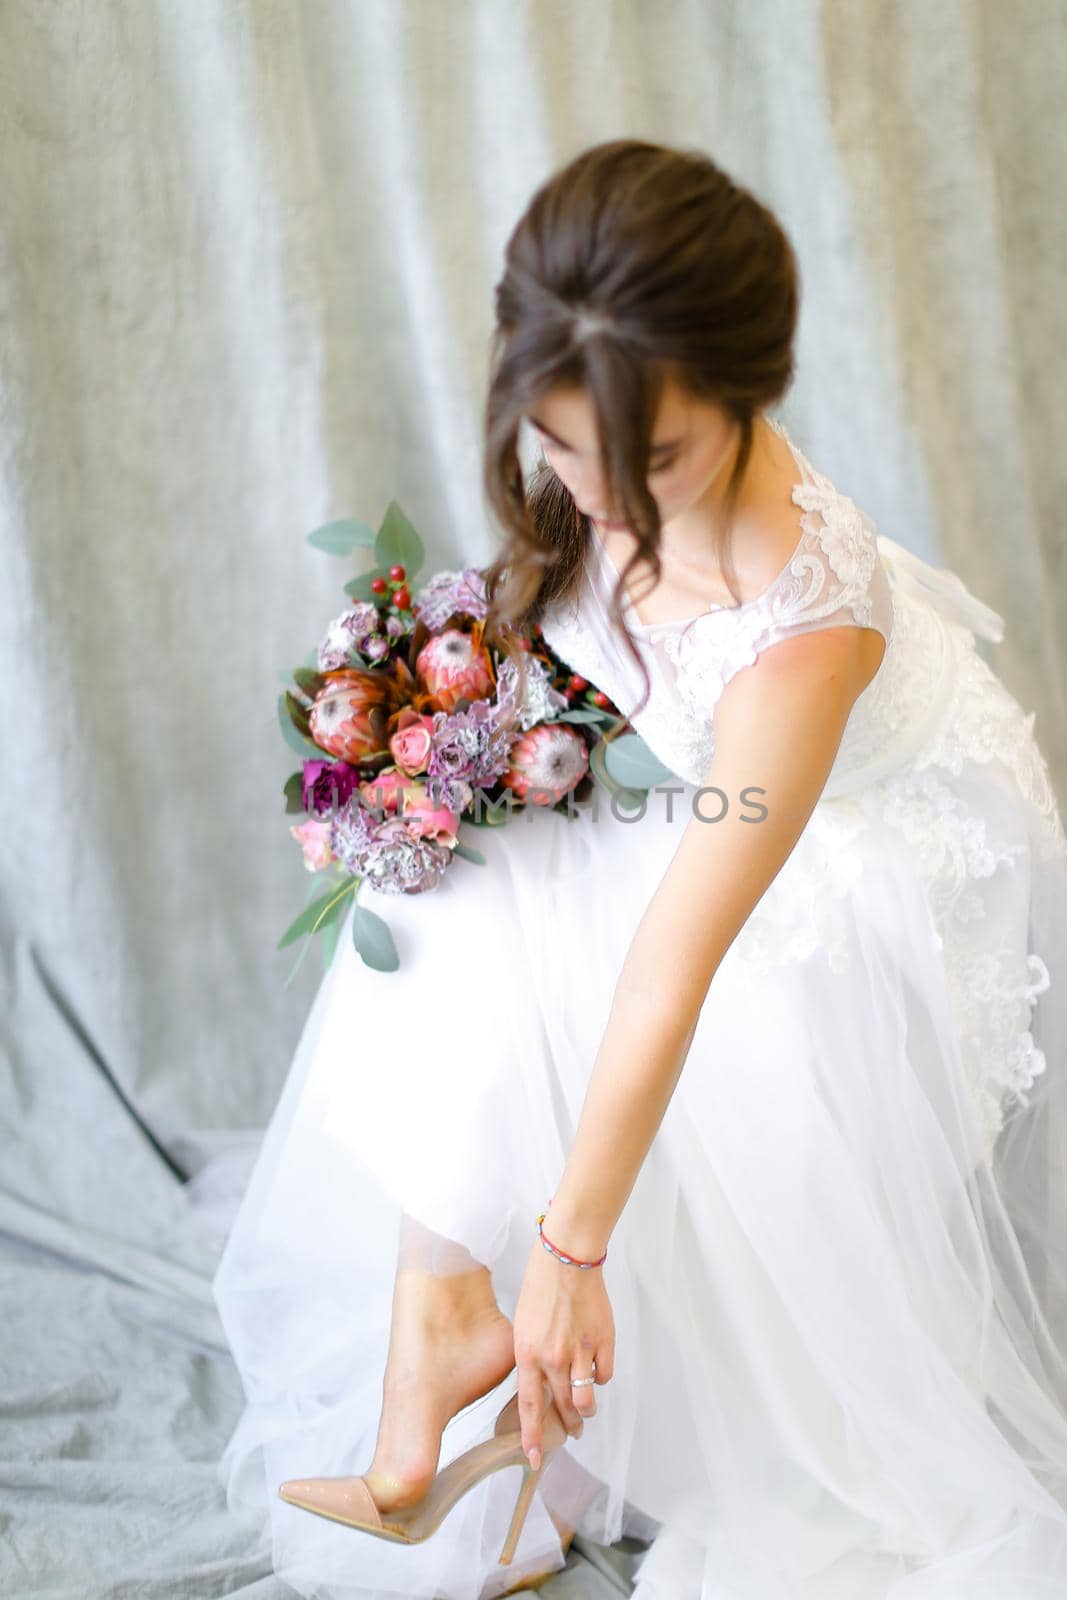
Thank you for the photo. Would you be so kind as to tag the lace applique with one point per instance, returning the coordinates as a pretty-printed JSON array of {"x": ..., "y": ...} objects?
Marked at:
[
  {"x": 803, "y": 911},
  {"x": 993, "y": 990},
  {"x": 993, "y": 996},
  {"x": 985, "y": 723},
  {"x": 933, "y": 709},
  {"x": 829, "y": 577},
  {"x": 951, "y": 847}
]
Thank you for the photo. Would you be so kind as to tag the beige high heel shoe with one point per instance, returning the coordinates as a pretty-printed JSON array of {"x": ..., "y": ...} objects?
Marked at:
[{"x": 350, "y": 1501}]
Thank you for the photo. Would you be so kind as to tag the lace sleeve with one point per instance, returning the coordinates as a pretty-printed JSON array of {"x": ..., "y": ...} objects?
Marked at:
[{"x": 834, "y": 578}]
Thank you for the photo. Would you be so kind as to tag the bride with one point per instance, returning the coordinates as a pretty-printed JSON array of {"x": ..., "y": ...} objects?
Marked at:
[{"x": 705, "y": 1163}]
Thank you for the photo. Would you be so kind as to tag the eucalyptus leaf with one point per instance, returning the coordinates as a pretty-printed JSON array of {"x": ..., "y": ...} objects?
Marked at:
[
  {"x": 359, "y": 588},
  {"x": 632, "y": 764},
  {"x": 330, "y": 935},
  {"x": 578, "y": 715},
  {"x": 297, "y": 964},
  {"x": 293, "y": 792},
  {"x": 295, "y": 741},
  {"x": 600, "y": 771},
  {"x": 325, "y": 878},
  {"x": 341, "y": 538},
  {"x": 308, "y": 679},
  {"x": 318, "y": 913},
  {"x": 373, "y": 941},
  {"x": 298, "y": 713},
  {"x": 398, "y": 542}
]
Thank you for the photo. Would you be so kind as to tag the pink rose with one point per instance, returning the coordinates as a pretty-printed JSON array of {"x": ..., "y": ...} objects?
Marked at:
[
  {"x": 427, "y": 819},
  {"x": 411, "y": 743},
  {"x": 548, "y": 762},
  {"x": 313, "y": 838},
  {"x": 454, "y": 666},
  {"x": 385, "y": 789}
]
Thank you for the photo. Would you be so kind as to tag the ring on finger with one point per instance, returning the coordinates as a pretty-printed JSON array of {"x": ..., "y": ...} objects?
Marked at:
[{"x": 579, "y": 1383}]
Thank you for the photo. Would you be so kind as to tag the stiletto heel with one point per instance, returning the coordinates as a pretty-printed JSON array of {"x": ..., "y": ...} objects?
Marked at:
[
  {"x": 350, "y": 1501},
  {"x": 531, "y": 1477}
]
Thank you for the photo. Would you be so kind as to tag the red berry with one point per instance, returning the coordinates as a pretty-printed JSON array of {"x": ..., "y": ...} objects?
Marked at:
[
  {"x": 578, "y": 682},
  {"x": 378, "y": 585},
  {"x": 397, "y": 573},
  {"x": 402, "y": 599},
  {"x": 601, "y": 699}
]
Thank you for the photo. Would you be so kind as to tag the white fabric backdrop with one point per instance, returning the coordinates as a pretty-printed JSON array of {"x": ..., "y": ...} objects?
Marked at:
[{"x": 247, "y": 253}]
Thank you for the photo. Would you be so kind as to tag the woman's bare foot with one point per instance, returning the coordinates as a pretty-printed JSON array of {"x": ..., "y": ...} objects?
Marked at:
[{"x": 449, "y": 1344}]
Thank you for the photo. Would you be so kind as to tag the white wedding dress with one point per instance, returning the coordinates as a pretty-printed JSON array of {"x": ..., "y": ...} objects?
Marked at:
[{"x": 840, "y": 1282}]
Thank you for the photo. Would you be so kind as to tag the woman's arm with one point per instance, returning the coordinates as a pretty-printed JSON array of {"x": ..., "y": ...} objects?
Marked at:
[{"x": 778, "y": 725}]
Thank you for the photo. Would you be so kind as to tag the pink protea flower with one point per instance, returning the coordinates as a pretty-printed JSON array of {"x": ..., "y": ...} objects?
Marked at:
[
  {"x": 313, "y": 837},
  {"x": 426, "y": 818},
  {"x": 386, "y": 789},
  {"x": 454, "y": 666},
  {"x": 350, "y": 712},
  {"x": 547, "y": 763},
  {"x": 412, "y": 741}
]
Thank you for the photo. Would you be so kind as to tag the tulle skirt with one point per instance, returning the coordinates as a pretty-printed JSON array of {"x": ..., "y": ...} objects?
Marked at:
[{"x": 839, "y": 1286}]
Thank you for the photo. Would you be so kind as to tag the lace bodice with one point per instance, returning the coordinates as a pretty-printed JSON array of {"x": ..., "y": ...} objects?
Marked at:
[
  {"x": 933, "y": 711},
  {"x": 842, "y": 571}
]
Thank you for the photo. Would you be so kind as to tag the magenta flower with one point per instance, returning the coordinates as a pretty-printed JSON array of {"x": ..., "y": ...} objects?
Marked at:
[{"x": 325, "y": 785}]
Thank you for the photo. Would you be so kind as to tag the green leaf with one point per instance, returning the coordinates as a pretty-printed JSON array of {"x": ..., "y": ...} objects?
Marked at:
[
  {"x": 303, "y": 747},
  {"x": 309, "y": 680},
  {"x": 318, "y": 913},
  {"x": 341, "y": 538},
  {"x": 632, "y": 764},
  {"x": 330, "y": 929},
  {"x": 298, "y": 713},
  {"x": 600, "y": 771},
  {"x": 468, "y": 854},
  {"x": 326, "y": 878},
  {"x": 492, "y": 813},
  {"x": 360, "y": 588},
  {"x": 330, "y": 935},
  {"x": 583, "y": 716},
  {"x": 293, "y": 792},
  {"x": 397, "y": 542},
  {"x": 373, "y": 941},
  {"x": 298, "y": 963}
]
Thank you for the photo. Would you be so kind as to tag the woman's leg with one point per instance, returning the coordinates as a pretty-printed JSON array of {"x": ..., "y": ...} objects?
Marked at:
[{"x": 449, "y": 1343}]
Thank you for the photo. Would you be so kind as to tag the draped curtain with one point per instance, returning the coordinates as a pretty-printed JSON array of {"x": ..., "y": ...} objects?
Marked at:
[{"x": 247, "y": 253}]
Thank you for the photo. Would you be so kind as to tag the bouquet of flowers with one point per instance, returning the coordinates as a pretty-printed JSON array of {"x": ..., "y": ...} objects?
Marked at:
[{"x": 409, "y": 720}]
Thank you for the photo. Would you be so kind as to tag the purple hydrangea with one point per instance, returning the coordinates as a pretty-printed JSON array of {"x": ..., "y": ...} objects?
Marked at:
[
  {"x": 386, "y": 853},
  {"x": 470, "y": 747},
  {"x": 541, "y": 703},
  {"x": 448, "y": 592},
  {"x": 360, "y": 633}
]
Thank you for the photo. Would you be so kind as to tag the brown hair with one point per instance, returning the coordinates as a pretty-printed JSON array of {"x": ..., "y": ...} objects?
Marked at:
[{"x": 633, "y": 262}]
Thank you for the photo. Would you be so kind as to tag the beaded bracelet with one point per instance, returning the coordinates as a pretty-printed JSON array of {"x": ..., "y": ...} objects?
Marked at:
[{"x": 561, "y": 1255}]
